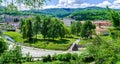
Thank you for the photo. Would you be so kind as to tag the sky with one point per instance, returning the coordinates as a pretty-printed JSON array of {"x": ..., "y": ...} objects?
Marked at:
[{"x": 81, "y": 3}]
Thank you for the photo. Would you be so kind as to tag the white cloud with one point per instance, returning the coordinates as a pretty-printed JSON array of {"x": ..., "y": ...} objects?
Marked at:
[
  {"x": 116, "y": 2},
  {"x": 80, "y": 4},
  {"x": 85, "y": 5},
  {"x": 49, "y": 6},
  {"x": 63, "y": 1},
  {"x": 104, "y": 4},
  {"x": 115, "y": 6}
]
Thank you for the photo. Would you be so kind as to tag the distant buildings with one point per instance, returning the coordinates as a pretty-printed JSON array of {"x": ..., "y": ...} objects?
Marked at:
[
  {"x": 11, "y": 22},
  {"x": 16, "y": 25},
  {"x": 102, "y": 27}
]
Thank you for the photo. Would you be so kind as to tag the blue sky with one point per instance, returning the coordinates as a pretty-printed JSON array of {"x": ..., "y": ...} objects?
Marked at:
[{"x": 82, "y": 3}]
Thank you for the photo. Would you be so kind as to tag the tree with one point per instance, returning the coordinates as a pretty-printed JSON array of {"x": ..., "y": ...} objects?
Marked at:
[
  {"x": 73, "y": 28},
  {"x": 76, "y": 27},
  {"x": 57, "y": 29},
  {"x": 37, "y": 25},
  {"x": 27, "y": 28},
  {"x": 45, "y": 28},
  {"x": 53, "y": 28},
  {"x": 31, "y": 3},
  {"x": 11, "y": 8},
  {"x": 114, "y": 17},
  {"x": 22, "y": 23},
  {"x": 63, "y": 30},
  {"x": 86, "y": 31}
]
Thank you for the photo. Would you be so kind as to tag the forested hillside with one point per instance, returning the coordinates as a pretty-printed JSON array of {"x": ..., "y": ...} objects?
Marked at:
[{"x": 89, "y": 13}]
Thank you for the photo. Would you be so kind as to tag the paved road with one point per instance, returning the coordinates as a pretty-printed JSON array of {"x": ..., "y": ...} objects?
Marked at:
[{"x": 35, "y": 52}]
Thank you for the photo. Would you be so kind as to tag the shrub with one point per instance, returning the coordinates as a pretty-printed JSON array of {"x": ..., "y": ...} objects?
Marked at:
[
  {"x": 12, "y": 56},
  {"x": 28, "y": 58},
  {"x": 74, "y": 56},
  {"x": 3, "y": 46},
  {"x": 47, "y": 58}
]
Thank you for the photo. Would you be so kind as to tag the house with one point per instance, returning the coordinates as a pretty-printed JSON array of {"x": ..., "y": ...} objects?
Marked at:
[
  {"x": 102, "y": 27},
  {"x": 16, "y": 25}
]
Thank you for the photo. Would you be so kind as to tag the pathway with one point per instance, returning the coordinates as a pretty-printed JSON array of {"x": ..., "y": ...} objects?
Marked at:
[{"x": 74, "y": 43}]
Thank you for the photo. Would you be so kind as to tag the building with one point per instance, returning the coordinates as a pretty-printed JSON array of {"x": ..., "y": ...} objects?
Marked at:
[{"x": 102, "y": 27}]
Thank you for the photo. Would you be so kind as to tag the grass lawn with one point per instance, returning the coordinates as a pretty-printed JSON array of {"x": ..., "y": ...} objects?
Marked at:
[
  {"x": 106, "y": 38},
  {"x": 40, "y": 62},
  {"x": 88, "y": 41},
  {"x": 85, "y": 41},
  {"x": 118, "y": 62},
  {"x": 56, "y": 44},
  {"x": 15, "y": 35}
]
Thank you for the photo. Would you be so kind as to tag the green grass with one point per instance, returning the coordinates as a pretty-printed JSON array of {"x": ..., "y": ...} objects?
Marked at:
[
  {"x": 106, "y": 38},
  {"x": 56, "y": 44},
  {"x": 15, "y": 35},
  {"x": 118, "y": 62},
  {"x": 40, "y": 62},
  {"x": 87, "y": 41}
]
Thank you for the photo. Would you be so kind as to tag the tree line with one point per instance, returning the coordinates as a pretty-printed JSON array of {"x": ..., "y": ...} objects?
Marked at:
[
  {"x": 48, "y": 27},
  {"x": 53, "y": 28}
]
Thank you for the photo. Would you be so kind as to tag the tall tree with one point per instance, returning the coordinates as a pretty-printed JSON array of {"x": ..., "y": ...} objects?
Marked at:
[
  {"x": 62, "y": 30},
  {"x": 37, "y": 25},
  {"x": 114, "y": 17},
  {"x": 86, "y": 31},
  {"x": 45, "y": 28},
  {"x": 22, "y": 23},
  {"x": 76, "y": 27},
  {"x": 53, "y": 28},
  {"x": 29, "y": 28},
  {"x": 56, "y": 29}
]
